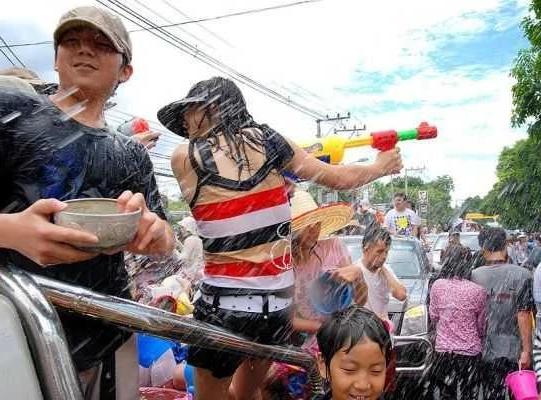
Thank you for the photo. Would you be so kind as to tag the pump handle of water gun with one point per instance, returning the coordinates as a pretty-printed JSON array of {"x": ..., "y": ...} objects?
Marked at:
[{"x": 387, "y": 140}]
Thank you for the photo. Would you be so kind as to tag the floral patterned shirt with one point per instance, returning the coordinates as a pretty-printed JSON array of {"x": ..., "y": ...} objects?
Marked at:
[{"x": 459, "y": 309}]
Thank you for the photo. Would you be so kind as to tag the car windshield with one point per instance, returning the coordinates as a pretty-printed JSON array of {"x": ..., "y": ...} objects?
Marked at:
[
  {"x": 402, "y": 258},
  {"x": 469, "y": 241},
  {"x": 441, "y": 243}
]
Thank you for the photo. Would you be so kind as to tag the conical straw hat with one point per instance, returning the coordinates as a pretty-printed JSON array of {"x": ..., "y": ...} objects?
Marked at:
[{"x": 306, "y": 212}]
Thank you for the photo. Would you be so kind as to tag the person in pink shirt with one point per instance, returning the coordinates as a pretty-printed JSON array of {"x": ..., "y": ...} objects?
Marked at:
[
  {"x": 458, "y": 309},
  {"x": 314, "y": 253}
]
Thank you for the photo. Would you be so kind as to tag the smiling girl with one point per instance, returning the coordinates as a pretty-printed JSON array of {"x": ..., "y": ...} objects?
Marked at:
[{"x": 355, "y": 350}]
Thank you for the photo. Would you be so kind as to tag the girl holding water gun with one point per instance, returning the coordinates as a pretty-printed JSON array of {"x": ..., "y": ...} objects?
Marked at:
[{"x": 230, "y": 172}]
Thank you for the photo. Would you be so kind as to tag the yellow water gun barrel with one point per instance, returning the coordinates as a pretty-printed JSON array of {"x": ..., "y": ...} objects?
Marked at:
[{"x": 331, "y": 148}]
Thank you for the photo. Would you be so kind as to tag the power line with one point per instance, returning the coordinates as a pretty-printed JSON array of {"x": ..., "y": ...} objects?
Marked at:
[
  {"x": 191, "y": 21},
  {"x": 169, "y": 22},
  {"x": 207, "y": 59},
  {"x": 201, "y": 26},
  {"x": 235, "y": 14},
  {"x": 12, "y": 52},
  {"x": 5, "y": 55},
  {"x": 26, "y": 44}
]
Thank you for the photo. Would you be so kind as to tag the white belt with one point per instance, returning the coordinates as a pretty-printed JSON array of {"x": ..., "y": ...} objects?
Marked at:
[{"x": 247, "y": 303}]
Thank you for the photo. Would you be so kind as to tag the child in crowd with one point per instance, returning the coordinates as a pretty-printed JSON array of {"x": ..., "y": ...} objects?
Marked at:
[{"x": 356, "y": 351}]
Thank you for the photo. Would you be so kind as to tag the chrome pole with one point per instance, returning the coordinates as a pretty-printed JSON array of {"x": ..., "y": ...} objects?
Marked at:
[
  {"x": 45, "y": 335},
  {"x": 138, "y": 317}
]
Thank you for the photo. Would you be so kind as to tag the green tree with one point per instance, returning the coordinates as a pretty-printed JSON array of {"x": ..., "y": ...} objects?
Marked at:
[
  {"x": 527, "y": 72},
  {"x": 473, "y": 204},
  {"x": 515, "y": 196},
  {"x": 178, "y": 205}
]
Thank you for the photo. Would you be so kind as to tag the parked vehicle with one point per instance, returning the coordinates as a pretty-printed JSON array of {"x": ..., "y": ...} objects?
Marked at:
[{"x": 468, "y": 239}]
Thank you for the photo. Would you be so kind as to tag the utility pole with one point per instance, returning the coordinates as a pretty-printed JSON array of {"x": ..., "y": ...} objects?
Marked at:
[
  {"x": 414, "y": 169},
  {"x": 353, "y": 131},
  {"x": 330, "y": 119}
]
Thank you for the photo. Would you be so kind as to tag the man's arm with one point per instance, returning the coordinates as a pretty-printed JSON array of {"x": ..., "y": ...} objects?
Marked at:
[
  {"x": 308, "y": 167},
  {"x": 525, "y": 328},
  {"x": 525, "y": 306},
  {"x": 31, "y": 233},
  {"x": 398, "y": 290},
  {"x": 154, "y": 236}
]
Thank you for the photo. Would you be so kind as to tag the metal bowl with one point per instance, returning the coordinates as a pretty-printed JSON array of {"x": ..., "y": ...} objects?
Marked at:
[{"x": 102, "y": 218}]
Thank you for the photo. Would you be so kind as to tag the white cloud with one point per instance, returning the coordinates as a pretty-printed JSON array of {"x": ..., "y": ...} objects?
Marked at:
[{"x": 320, "y": 47}]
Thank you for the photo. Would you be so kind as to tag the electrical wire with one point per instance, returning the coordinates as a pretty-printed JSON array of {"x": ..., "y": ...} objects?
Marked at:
[
  {"x": 12, "y": 52},
  {"x": 170, "y": 23},
  {"x": 200, "y": 26},
  {"x": 191, "y": 21},
  {"x": 5, "y": 55},
  {"x": 186, "y": 47}
]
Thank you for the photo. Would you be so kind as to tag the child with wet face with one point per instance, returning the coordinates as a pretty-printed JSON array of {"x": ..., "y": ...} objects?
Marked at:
[{"x": 356, "y": 353}]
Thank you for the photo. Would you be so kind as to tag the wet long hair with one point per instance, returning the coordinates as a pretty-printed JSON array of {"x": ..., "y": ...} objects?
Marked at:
[
  {"x": 457, "y": 262},
  {"x": 233, "y": 119},
  {"x": 347, "y": 328}
]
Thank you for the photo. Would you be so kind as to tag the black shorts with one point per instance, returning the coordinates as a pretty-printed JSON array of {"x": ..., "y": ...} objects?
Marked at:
[{"x": 273, "y": 330}]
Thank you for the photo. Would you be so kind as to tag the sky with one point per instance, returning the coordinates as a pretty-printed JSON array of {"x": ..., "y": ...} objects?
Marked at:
[{"x": 390, "y": 64}]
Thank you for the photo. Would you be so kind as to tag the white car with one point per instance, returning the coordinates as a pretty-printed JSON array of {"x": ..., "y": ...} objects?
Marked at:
[{"x": 468, "y": 239}]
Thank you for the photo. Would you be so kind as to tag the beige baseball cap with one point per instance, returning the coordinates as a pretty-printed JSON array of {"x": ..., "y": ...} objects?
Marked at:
[{"x": 97, "y": 18}]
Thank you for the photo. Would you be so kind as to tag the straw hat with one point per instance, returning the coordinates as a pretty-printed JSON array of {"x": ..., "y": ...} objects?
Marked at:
[{"x": 305, "y": 212}]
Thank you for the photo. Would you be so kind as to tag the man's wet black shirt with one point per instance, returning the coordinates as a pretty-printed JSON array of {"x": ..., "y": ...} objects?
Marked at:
[{"x": 46, "y": 154}]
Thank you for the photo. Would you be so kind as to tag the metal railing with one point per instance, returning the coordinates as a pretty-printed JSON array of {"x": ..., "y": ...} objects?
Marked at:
[
  {"x": 50, "y": 345},
  {"x": 137, "y": 317}
]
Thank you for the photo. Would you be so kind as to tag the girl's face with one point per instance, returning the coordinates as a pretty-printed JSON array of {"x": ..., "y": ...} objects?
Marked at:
[
  {"x": 197, "y": 121},
  {"x": 358, "y": 374}
]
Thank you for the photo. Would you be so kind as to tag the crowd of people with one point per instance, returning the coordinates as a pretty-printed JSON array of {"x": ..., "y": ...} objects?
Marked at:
[
  {"x": 248, "y": 256},
  {"x": 56, "y": 147}
]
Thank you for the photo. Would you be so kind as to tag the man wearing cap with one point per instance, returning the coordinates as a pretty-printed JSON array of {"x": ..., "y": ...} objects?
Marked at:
[{"x": 59, "y": 148}]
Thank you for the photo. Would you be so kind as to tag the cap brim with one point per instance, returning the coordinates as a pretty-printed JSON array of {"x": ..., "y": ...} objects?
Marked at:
[
  {"x": 332, "y": 217},
  {"x": 171, "y": 116},
  {"x": 78, "y": 22}
]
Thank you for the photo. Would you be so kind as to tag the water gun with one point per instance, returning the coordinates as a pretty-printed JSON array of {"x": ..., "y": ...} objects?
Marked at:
[
  {"x": 331, "y": 148},
  {"x": 139, "y": 125},
  {"x": 134, "y": 126}
]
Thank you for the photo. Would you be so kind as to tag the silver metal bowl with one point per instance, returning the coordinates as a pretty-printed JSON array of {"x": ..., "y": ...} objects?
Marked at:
[{"x": 102, "y": 218}]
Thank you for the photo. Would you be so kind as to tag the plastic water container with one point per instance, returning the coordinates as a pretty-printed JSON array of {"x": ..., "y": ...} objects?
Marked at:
[
  {"x": 328, "y": 295},
  {"x": 523, "y": 385}
]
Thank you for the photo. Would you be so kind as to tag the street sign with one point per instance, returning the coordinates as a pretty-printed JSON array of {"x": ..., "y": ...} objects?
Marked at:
[
  {"x": 423, "y": 208},
  {"x": 423, "y": 196}
]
